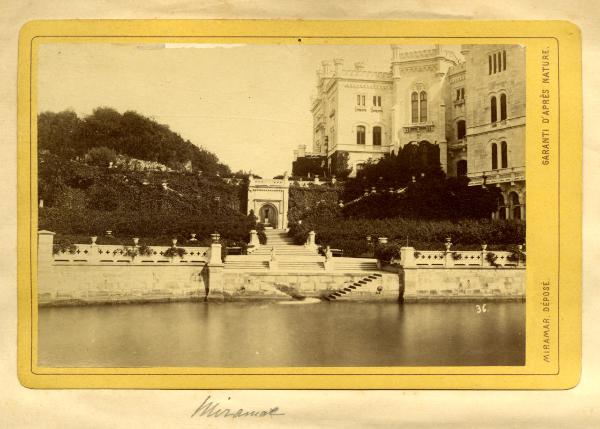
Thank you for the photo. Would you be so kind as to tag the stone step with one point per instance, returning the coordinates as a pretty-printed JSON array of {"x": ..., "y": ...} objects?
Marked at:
[
  {"x": 246, "y": 265},
  {"x": 299, "y": 266}
]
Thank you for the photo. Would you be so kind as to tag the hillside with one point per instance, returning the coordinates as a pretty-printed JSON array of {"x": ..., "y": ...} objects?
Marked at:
[
  {"x": 66, "y": 135},
  {"x": 81, "y": 200}
]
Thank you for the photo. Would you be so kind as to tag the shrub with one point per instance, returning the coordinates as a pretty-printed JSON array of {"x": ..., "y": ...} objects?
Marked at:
[
  {"x": 101, "y": 156},
  {"x": 171, "y": 252},
  {"x": 492, "y": 258},
  {"x": 63, "y": 246},
  {"x": 387, "y": 252}
]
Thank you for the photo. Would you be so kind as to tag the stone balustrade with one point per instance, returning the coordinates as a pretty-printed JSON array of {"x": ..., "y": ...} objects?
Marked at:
[
  {"x": 110, "y": 254},
  {"x": 412, "y": 258}
]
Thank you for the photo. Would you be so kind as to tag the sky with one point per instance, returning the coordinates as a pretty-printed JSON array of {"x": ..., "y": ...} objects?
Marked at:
[{"x": 249, "y": 104}]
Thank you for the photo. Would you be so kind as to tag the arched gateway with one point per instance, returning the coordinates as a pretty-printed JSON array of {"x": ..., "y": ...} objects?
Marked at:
[{"x": 268, "y": 198}]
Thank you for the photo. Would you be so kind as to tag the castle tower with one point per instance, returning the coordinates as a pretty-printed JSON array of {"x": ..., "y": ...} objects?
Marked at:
[{"x": 418, "y": 112}]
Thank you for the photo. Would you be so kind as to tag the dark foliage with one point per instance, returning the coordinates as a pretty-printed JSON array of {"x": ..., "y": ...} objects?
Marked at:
[
  {"x": 310, "y": 166},
  {"x": 83, "y": 200},
  {"x": 130, "y": 134}
]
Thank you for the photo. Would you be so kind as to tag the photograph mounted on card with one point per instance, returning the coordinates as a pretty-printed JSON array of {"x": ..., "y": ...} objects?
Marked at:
[{"x": 299, "y": 205}]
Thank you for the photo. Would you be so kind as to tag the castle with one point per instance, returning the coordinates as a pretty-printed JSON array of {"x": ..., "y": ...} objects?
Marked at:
[{"x": 472, "y": 107}]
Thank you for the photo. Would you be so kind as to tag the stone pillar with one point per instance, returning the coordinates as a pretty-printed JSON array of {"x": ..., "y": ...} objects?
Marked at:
[
  {"x": 44, "y": 263},
  {"x": 94, "y": 256},
  {"x": 310, "y": 243},
  {"x": 215, "y": 271},
  {"x": 407, "y": 257},
  {"x": 329, "y": 263},
  {"x": 45, "y": 245},
  {"x": 448, "y": 254},
  {"x": 484, "y": 261},
  {"x": 254, "y": 241}
]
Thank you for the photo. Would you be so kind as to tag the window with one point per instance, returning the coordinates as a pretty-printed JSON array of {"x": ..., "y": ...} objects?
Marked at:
[
  {"x": 359, "y": 166},
  {"x": 494, "y": 109},
  {"x": 362, "y": 97},
  {"x": 504, "y": 155},
  {"x": 360, "y": 100},
  {"x": 377, "y": 100},
  {"x": 457, "y": 94},
  {"x": 360, "y": 134},
  {"x": 461, "y": 129},
  {"x": 414, "y": 101},
  {"x": 423, "y": 103},
  {"x": 376, "y": 136},
  {"x": 497, "y": 62},
  {"x": 502, "y": 107},
  {"x": 494, "y": 156},
  {"x": 501, "y": 207},
  {"x": 462, "y": 93},
  {"x": 461, "y": 168},
  {"x": 515, "y": 205},
  {"x": 418, "y": 102}
]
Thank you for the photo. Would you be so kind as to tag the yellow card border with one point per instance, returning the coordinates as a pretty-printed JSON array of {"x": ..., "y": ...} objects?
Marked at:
[{"x": 554, "y": 194}]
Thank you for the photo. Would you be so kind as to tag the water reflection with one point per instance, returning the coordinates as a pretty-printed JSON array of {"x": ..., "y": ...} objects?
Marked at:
[{"x": 269, "y": 334}]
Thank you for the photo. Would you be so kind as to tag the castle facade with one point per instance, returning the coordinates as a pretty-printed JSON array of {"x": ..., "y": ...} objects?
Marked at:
[{"x": 472, "y": 105}]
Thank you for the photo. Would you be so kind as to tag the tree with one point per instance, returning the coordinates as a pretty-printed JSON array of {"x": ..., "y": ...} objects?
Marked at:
[
  {"x": 58, "y": 132},
  {"x": 101, "y": 156},
  {"x": 130, "y": 134}
]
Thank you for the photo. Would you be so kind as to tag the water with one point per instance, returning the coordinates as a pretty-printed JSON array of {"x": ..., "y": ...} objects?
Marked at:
[{"x": 270, "y": 334}]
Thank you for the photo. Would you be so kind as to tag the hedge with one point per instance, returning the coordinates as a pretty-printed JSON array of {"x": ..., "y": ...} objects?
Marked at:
[{"x": 350, "y": 234}]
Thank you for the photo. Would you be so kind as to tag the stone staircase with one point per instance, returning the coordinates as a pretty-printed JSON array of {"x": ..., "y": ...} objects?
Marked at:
[
  {"x": 283, "y": 244},
  {"x": 344, "y": 292},
  {"x": 292, "y": 258}
]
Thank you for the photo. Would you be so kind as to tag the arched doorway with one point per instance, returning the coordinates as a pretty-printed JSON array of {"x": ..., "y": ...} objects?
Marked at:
[{"x": 267, "y": 215}]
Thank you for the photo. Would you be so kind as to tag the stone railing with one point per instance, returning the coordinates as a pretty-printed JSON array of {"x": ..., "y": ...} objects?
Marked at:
[
  {"x": 502, "y": 175},
  {"x": 411, "y": 258},
  {"x": 107, "y": 254}
]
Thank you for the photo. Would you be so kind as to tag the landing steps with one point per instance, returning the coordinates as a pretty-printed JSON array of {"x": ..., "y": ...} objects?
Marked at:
[{"x": 345, "y": 291}]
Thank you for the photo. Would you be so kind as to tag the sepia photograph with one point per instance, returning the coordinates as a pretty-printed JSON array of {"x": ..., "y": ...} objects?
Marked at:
[{"x": 280, "y": 205}]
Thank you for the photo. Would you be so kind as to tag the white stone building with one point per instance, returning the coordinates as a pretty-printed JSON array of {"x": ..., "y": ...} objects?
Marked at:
[{"x": 471, "y": 105}]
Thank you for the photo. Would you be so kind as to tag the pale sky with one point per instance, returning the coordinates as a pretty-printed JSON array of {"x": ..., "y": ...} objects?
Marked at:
[{"x": 249, "y": 104}]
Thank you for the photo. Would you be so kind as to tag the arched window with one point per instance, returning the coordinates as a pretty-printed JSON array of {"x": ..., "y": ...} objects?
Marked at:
[
  {"x": 495, "y": 62},
  {"x": 501, "y": 208},
  {"x": 515, "y": 205},
  {"x": 490, "y": 64},
  {"x": 502, "y": 107},
  {"x": 423, "y": 103},
  {"x": 494, "y": 109},
  {"x": 494, "y": 156},
  {"x": 461, "y": 129},
  {"x": 461, "y": 167},
  {"x": 503, "y": 60},
  {"x": 504, "y": 155},
  {"x": 499, "y": 61},
  {"x": 360, "y": 134},
  {"x": 414, "y": 102},
  {"x": 376, "y": 136}
]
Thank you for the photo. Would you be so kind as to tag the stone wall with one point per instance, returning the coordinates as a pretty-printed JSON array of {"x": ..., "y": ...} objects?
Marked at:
[
  {"x": 93, "y": 284},
  {"x": 463, "y": 283},
  {"x": 243, "y": 285}
]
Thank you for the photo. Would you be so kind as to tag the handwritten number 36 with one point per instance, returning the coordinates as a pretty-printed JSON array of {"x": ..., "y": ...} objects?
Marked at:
[{"x": 480, "y": 308}]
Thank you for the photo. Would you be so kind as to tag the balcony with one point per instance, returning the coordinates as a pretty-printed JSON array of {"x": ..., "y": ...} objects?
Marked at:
[
  {"x": 419, "y": 127},
  {"x": 503, "y": 175}
]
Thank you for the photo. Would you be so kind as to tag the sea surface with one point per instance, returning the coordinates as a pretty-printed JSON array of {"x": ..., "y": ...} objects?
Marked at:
[{"x": 271, "y": 334}]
